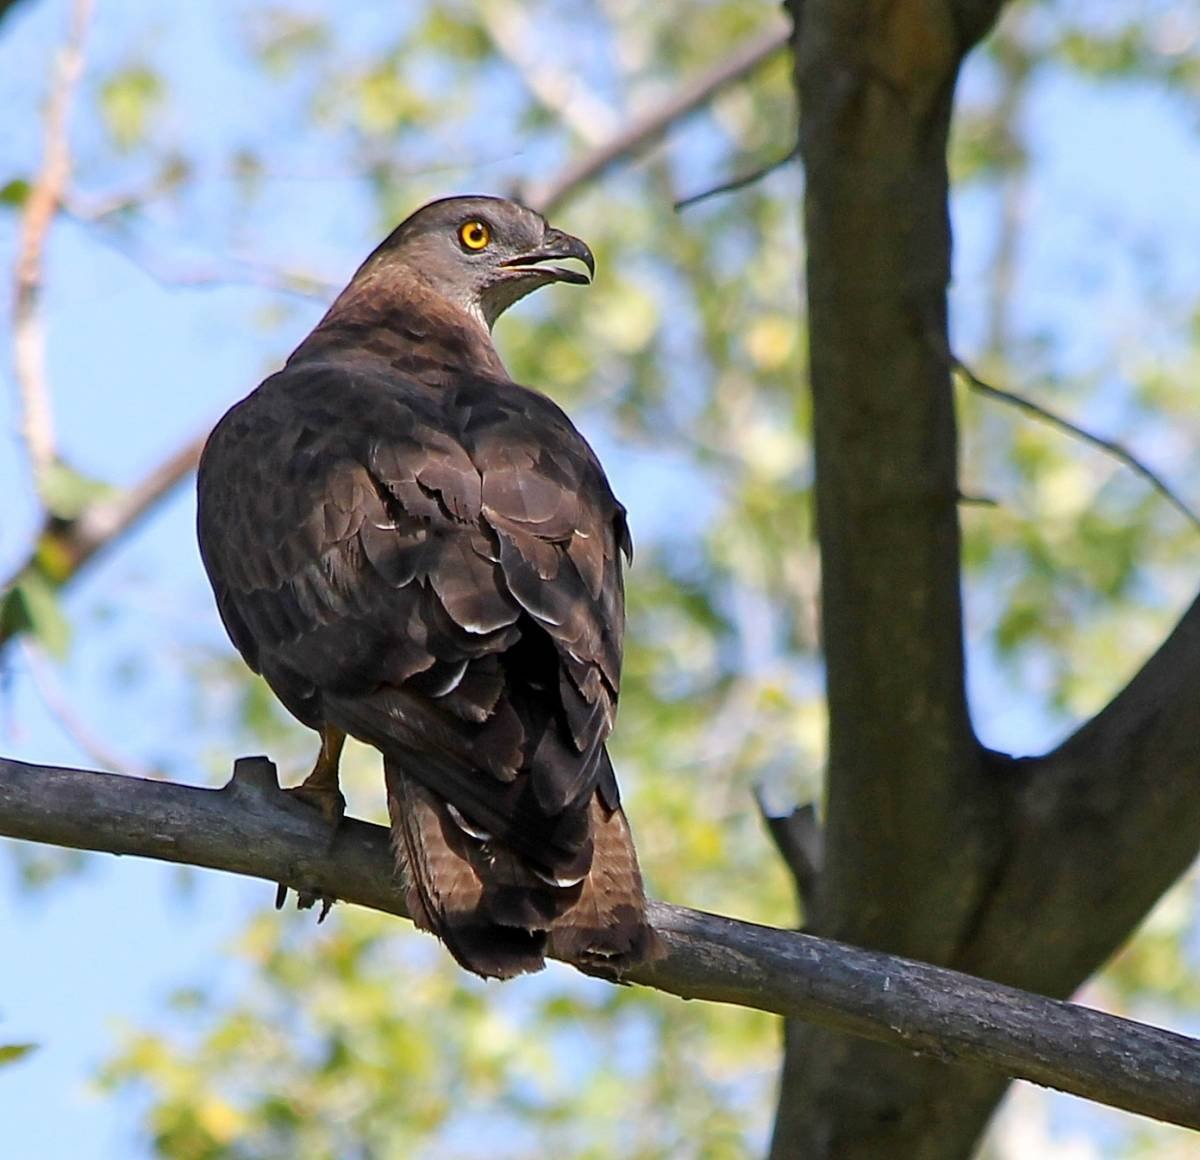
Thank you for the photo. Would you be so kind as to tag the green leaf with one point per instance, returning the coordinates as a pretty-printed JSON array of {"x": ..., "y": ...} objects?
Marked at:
[
  {"x": 12, "y": 1052},
  {"x": 15, "y": 193},
  {"x": 31, "y": 605},
  {"x": 14, "y": 613}
]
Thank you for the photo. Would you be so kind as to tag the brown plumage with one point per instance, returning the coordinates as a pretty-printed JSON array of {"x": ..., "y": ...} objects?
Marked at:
[{"x": 416, "y": 551}]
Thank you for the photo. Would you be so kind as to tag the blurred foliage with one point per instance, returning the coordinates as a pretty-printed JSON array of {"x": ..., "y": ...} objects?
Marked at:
[
  {"x": 129, "y": 101},
  {"x": 351, "y": 1041},
  {"x": 15, "y": 1052},
  {"x": 30, "y": 605},
  {"x": 685, "y": 364}
]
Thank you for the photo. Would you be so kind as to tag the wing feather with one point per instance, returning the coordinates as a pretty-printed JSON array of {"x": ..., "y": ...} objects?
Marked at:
[{"x": 439, "y": 573}]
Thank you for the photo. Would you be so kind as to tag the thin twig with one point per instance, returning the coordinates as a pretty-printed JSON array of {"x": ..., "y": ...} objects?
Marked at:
[
  {"x": 741, "y": 182},
  {"x": 45, "y": 196},
  {"x": 232, "y": 272},
  {"x": 643, "y": 131},
  {"x": 558, "y": 89},
  {"x": 61, "y": 709},
  {"x": 1108, "y": 446},
  {"x": 250, "y": 827}
]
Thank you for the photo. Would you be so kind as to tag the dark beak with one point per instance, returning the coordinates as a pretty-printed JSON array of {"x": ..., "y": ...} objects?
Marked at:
[{"x": 555, "y": 246}]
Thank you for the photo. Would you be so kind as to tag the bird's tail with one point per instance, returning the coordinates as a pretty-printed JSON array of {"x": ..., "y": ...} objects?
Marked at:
[
  {"x": 604, "y": 927},
  {"x": 496, "y": 914}
]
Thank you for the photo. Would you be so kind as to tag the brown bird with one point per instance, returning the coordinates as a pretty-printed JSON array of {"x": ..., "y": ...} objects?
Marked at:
[{"x": 416, "y": 551}]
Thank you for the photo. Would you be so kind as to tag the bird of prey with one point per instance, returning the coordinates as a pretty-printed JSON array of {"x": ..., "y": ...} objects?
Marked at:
[{"x": 415, "y": 551}]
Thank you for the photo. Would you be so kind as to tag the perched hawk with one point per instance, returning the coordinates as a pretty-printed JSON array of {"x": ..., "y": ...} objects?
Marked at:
[{"x": 416, "y": 551}]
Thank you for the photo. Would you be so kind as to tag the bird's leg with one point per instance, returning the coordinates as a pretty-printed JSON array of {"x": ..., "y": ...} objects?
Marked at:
[{"x": 320, "y": 788}]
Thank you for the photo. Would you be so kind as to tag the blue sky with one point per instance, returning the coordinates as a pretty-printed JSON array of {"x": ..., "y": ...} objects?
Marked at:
[{"x": 138, "y": 367}]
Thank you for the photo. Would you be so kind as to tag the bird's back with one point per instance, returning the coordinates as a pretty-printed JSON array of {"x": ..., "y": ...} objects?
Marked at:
[{"x": 415, "y": 551}]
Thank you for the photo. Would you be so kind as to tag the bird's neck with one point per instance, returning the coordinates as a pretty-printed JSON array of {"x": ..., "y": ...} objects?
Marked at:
[{"x": 406, "y": 326}]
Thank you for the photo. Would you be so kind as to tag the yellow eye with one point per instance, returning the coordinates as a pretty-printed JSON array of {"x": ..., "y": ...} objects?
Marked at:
[{"x": 475, "y": 235}]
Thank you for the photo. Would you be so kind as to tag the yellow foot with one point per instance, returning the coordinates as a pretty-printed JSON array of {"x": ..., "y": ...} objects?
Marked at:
[
  {"x": 321, "y": 792},
  {"x": 329, "y": 803}
]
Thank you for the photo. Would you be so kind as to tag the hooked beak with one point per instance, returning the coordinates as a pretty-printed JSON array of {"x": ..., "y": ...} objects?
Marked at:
[{"x": 556, "y": 245}]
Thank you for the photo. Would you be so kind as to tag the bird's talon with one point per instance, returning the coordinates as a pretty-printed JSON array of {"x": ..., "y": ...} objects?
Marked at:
[
  {"x": 306, "y": 899},
  {"x": 330, "y": 804}
]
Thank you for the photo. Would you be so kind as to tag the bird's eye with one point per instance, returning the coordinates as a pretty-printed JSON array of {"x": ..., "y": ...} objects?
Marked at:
[{"x": 474, "y": 235}]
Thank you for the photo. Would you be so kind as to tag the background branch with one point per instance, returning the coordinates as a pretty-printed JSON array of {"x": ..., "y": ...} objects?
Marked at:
[
  {"x": 64, "y": 546},
  {"x": 53, "y": 696},
  {"x": 739, "y": 182},
  {"x": 798, "y": 838},
  {"x": 1116, "y": 450},
  {"x": 250, "y": 827},
  {"x": 557, "y": 88},
  {"x": 644, "y": 130},
  {"x": 45, "y": 196}
]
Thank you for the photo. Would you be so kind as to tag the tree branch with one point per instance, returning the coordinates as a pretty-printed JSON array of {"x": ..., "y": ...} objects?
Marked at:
[
  {"x": 1116, "y": 450},
  {"x": 1117, "y": 804},
  {"x": 64, "y": 546},
  {"x": 798, "y": 838},
  {"x": 250, "y": 827},
  {"x": 557, "y": 88},
  {"x": 45, "y": 196},
  {"x": 732, "y": 184},
  {"x": 643, "y": 131}
]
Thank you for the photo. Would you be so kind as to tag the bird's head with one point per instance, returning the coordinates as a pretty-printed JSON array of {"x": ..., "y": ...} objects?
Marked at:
[{"x": 481, "y": 253}]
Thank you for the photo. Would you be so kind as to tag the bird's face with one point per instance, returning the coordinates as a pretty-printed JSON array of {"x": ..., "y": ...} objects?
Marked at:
[{"x": 484, "y": 253}]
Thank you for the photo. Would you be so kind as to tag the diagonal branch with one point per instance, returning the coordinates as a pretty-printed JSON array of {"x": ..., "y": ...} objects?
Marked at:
[
  {"x": 249, "y": 827},
  {"x": 1108, "y": 446},
  {"x": 45, "y": 197},
  {"x": 64, "y": 546},
  {"x": 1107, "y": 821},
  {"x": 103, "y": 522},
  {"x": 59, "y": 706},
  {"x": 557, "y": 88},
  {"x": 732, "y": 184},
  {"x": 643, "y": 131}
]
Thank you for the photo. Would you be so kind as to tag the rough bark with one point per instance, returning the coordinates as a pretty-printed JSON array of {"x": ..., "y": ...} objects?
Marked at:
[
  {"x": 909, "y": 796},
  {"x": 1030, "y": 872},
  {"x": 250, "y": 827}
]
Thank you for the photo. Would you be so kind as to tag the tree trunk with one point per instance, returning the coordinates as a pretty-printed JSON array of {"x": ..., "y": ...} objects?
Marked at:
[{"x": 934, "y": 848}]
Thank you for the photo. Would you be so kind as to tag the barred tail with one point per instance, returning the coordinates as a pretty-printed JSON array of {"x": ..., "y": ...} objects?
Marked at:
[
  {"x": 497, "y": 915},
  {"x": 604, "y": 927}
]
